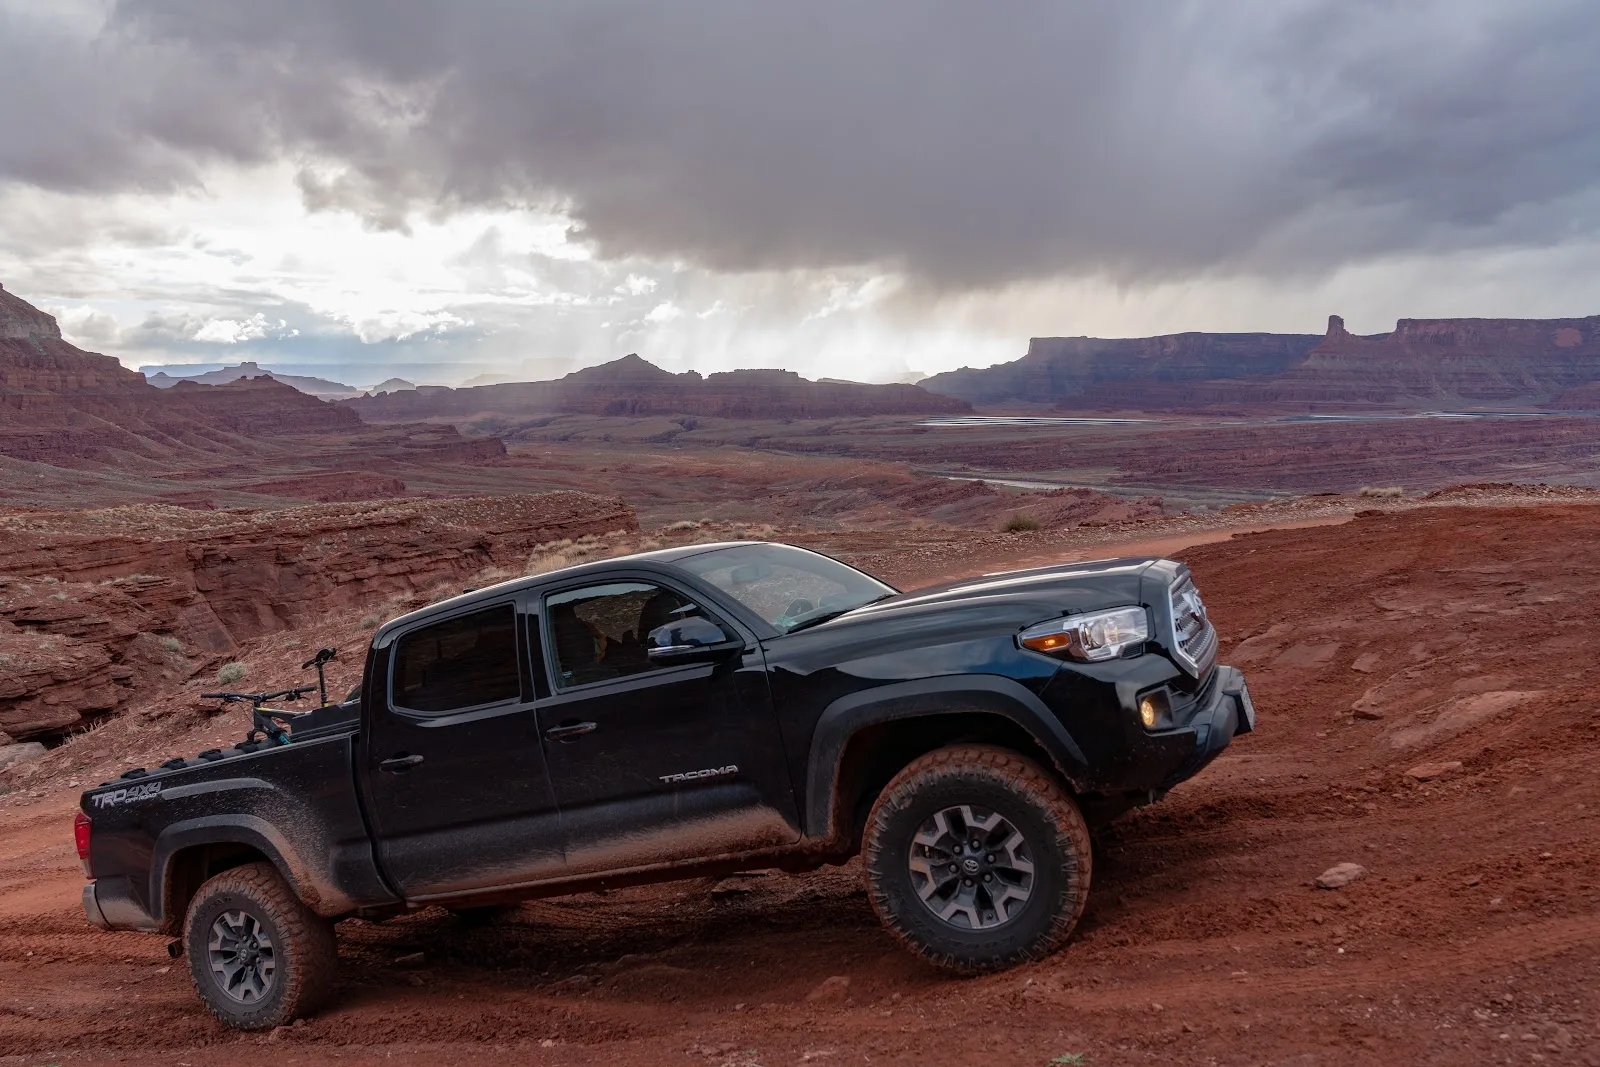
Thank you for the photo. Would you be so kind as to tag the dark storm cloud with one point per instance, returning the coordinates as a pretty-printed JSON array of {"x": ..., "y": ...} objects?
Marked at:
[{"x": 968, "y": 144}]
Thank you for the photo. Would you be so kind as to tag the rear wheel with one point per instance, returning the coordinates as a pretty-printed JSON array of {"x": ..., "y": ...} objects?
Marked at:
[
  {"x": 259, "y": 957},
  {"x": 976, "y": 859}
]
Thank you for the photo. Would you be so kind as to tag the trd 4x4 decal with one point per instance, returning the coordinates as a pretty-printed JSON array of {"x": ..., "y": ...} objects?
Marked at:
[{"x": 129, "y": 795}]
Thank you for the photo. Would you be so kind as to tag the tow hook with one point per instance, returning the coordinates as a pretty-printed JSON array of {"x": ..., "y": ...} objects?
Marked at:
[{"x": 175, "y": 949}]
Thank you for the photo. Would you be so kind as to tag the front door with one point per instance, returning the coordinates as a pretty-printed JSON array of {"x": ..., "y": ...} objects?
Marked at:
[
  {"x": 654, "y": 762},
  {"x": 454, "y": 768}
]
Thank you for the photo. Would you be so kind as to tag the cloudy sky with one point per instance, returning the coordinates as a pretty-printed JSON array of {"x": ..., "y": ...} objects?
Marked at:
[{"x": 446, "y": 189}]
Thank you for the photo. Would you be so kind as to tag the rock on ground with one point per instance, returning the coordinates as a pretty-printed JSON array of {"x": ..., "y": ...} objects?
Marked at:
[
  {"x": 1340, "y": 875},
  {"x": 830, "y": 990},
  {"x": 27, "y": 750},
  {"x": 1426, "y": 772}
]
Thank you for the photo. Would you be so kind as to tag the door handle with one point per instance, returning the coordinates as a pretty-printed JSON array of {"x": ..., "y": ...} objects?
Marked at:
[
  {"x": 399, "y": 764},
  {"x": 570, "y": 731}
]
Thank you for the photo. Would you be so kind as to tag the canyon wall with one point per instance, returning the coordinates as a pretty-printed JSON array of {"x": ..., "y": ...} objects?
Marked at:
[
  {"x": 1056, "y": 369},
  {"x": 1423, "y": 363},
  {"x": 95, "y": 604},
  {"x": 69, "y": 408}
]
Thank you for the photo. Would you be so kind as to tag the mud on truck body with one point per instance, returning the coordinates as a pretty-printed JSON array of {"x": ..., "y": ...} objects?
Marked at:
[{"x": 680, "y": 713}]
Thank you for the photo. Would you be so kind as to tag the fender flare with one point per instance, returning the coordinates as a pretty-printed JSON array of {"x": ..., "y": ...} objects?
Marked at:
[
  {"x": 925, "y": 697},
  {"x": 233, "y": 829}
]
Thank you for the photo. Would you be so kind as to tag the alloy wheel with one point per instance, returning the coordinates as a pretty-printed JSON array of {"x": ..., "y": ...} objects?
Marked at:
[
  {"x": 971, "y": 867},
  {"x": 243, "y": 958}
]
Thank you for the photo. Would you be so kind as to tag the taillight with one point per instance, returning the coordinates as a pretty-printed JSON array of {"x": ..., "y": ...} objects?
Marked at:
[{"x": 81, "y": 829}]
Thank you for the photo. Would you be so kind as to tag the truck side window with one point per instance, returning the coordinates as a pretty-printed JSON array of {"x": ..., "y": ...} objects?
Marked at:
[
  {"x": 598, "y": 632},
  {"x": 459, "y": 663}
]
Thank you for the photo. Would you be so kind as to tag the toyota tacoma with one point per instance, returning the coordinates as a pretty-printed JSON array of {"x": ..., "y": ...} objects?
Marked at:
[{"x": 687, "y": 712}]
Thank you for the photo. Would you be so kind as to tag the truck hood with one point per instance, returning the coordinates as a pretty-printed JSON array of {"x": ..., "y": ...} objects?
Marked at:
[{"x": 1026, "y": 596}]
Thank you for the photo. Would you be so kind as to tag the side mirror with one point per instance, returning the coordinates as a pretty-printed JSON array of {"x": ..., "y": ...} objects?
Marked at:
[{"x": 687, "y": 640}]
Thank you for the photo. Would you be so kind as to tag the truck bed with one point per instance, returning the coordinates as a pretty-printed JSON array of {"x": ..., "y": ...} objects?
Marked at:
[{"x": 295, "y": 804}]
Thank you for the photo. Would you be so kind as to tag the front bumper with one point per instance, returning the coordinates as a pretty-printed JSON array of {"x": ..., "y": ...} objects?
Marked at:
[{"x": 1227, "y": 712}]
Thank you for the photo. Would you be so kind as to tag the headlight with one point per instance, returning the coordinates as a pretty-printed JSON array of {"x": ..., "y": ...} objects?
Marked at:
[{"x": 1097, "y": 636}]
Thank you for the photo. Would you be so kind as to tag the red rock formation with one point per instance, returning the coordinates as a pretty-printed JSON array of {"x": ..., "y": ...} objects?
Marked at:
[
  {"x": 1062, "y": 369},
  {"x": 1428, "y": 363},
  {"x": 1434, "y": 362},
  {"x": 633, "y": 386},
  {"x": 87, "y": 597},
  {"x": 261, "y": 407},
  {"x": 67, "y": 407}
]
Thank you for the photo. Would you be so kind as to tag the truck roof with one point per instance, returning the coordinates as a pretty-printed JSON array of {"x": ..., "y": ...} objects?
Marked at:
[{"x": 662, "y": 557}]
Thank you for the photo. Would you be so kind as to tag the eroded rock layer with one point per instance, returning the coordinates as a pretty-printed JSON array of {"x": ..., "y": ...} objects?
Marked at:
[
  {"x": 94, "y": 603},
  {"x": 1425, "y": 363}
]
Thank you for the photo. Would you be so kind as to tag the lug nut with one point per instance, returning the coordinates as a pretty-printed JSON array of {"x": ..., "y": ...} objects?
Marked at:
[
  {"x": 988, "y": 878},
  {"x": 966, "y": 881},
  {"x": 989, "y": 859}
]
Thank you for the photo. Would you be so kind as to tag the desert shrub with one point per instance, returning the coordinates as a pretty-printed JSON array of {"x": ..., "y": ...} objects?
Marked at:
[
  {"x": 649, "y": 545},
  {"x": 171, "y": 644},
  {"x": 681, "y": 525},
  {"x": 1020, "y": 523},
  {"x": 371, "y": 622},
  {"x": 291, "y": 642},
  {"x": 1382, "y": 491},
  {"x": 552, "y": 562},
  {"x": 229, "y": 673}
]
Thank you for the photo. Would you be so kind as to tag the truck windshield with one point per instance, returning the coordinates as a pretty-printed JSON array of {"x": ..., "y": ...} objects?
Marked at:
[{"x": 787, "y": 586}]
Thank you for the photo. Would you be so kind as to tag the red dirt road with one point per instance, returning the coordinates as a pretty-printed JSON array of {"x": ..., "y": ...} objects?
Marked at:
[{"x": 1474, "y": 939}]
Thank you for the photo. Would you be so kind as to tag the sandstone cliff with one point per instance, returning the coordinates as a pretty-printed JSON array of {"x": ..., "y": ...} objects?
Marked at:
[
  {"x": 1058, "y": 369},
  {"x": 1426, "y": 363},
  {"x": 65, "y": 407},
  {"x": 633, "y": 386}
]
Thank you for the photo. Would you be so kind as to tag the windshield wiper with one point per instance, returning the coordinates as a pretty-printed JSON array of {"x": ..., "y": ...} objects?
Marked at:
[{"x": 829, "y": 616}]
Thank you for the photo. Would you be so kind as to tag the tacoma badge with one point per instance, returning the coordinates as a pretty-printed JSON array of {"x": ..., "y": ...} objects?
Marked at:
[{"x": 709, "y": 772}]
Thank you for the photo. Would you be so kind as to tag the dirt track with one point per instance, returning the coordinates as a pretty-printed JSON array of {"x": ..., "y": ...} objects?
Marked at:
[{"x": 1475, "y": 938}]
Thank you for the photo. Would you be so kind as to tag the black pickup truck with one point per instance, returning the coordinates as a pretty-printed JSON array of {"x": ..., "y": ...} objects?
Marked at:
[{"x": 682, "y": 713}]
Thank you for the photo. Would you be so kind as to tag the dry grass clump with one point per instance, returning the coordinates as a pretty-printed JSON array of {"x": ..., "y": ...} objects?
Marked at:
[
  {"x": 371, "y": 622},
  {"x": 1382, "y": 492},
  {"x": 171, "y": 644},
  {"x": 1020, "y": 523},
  {"x": 681, "y": 525},
  {"x": 230, "y": 673}
]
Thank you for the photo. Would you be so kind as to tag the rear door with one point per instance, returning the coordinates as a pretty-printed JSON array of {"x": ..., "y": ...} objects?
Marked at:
[
  {"x": 454, "y": 768},
  {"x": 656, "y": 762}
]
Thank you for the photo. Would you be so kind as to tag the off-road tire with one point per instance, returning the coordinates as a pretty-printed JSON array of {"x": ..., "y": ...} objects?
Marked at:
[
  {"x": 1002, "y": 782},
  {"x": 305, "y": 954}
]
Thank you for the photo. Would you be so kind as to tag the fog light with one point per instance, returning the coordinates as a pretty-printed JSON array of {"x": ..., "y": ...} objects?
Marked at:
[{"x": 1148, "y": 711}]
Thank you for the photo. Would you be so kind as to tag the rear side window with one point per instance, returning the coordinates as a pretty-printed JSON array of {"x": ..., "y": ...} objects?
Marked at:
[{"x": 460, "y": 663}]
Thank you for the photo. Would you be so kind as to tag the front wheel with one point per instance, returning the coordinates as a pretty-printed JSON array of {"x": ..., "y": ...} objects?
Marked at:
[
  {"x": 976, "y": 859},
  {"x": 259, "y": 957}
]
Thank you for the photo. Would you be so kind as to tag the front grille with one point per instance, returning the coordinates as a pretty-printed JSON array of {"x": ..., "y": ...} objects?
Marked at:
[{"x": 1194, "y": 639}]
